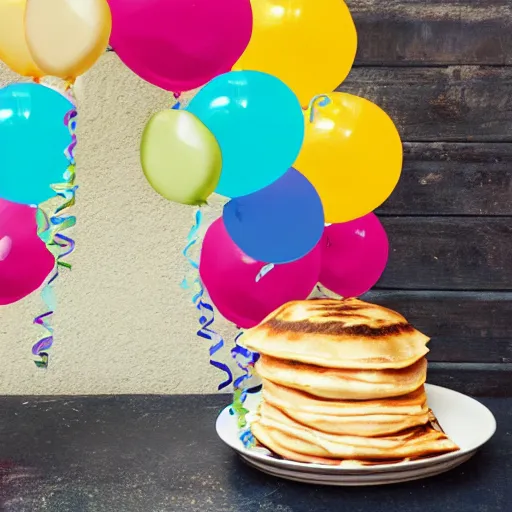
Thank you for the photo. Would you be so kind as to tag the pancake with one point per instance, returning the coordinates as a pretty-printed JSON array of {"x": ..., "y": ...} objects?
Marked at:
[
  {"x": 343, "y": 384},
  {"x": 265, "y": 439},
  {"x": 348, "y": 334},
  {"x": 263, "y": 435},
  {"x": 363, "y": 418},
  {"x": 414, "y": 403},
  {"x": 280, "y": 433}
]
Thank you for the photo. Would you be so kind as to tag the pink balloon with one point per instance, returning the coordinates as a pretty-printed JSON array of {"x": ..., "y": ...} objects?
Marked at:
[
  {"x": 355, "y": 255},
  {"x": 179, "y": 45},
  {"x": 25, "y": 262},
  {"x": 230, "y": 278}
]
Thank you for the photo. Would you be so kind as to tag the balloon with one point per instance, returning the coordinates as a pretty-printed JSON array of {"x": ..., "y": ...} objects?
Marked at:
[
  {"x": 33, "y": 138},
  {"x": 258, "y": 123},
  {"x": 67, "y": 37},
  {"x": 25, "y": 262},
  {"x": 230, "y": 278},
  {"x": 278, "y": 224},
  {"x": 180, "y": 157},
  {"x": 309, "y": 45},
  {"x": 354, "y": 256},
  {"x": 180, "y": 45},
  {"x": 352, "y": 154},
  {"x": 13, "y": 47}
]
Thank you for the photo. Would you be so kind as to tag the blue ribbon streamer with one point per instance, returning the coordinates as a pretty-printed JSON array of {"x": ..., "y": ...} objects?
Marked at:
[
  {"x": 200, "y": 300},
  {"x": 247, "y": 439},
  {"x": 245, "y": 360}
]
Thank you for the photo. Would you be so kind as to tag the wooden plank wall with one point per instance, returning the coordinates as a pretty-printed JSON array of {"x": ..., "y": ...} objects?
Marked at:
[{"x": 442, "y": 69}]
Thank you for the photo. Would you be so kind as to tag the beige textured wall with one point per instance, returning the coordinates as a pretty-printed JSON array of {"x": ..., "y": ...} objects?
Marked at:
[{"x": 123, "y": 323}]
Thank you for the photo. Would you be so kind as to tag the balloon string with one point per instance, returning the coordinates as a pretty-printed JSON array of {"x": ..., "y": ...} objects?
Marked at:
[
  {"x": 245, "y": 360},
  {"x": 321, "y": 100},
  {"x": 50, "y": 231},
  {"x": 201, "y": 302}
]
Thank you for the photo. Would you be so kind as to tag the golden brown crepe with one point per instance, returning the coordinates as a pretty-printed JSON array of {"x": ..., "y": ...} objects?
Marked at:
[
  {"x": 350, "y": 417},
  {"x": 338, "y": 334},
  {"x": 343, "y": 384},
  {"x": 277, "y": 431}
]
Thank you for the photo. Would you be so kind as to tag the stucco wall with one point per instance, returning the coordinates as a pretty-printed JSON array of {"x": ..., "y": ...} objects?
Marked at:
[{"x": 123, "y": 323}]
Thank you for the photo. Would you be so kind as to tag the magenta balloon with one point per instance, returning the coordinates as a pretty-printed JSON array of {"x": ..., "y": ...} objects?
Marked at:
[
  {"x": 230, "y": 278},
  {"x": 25, "y": 262},
  {"x": 179, "y": 45},
  {"x": 355, "y": 255}
]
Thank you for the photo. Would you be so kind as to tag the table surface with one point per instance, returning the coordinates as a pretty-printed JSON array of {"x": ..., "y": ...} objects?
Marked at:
[{"x": 160, "y": 454}]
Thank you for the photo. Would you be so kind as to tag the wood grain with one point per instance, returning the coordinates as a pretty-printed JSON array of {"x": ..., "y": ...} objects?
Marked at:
[
  {"x": 453, "y": 179},
  {"x": 463, "y": 326},
  {"x": 439, "y": 69},
  {"x": 419, "y": 32},
  {"x": 473, "y": 379},
  {"x": 444, "y": 253},
  {"x": 433, "y": 33},
  {"x": 457, "y": 104}
]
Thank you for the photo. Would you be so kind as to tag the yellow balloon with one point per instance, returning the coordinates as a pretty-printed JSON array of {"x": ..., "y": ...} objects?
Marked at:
[
  {"x": 352, "y": 154},
  {"x": 13, "y": 47},
  {"x": 180, "y": 157},
  {"x": 66, "y": 37},
  {"x": 309, "y": 44}
]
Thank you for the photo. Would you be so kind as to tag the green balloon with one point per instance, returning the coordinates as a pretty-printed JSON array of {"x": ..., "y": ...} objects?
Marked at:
[{"x": 180, "y": 157}]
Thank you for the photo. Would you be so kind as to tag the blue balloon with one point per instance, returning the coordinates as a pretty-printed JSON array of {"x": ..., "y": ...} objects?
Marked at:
[
  {"x": 279, "y": 224},
  {"x": 33, "y": 138},
  {"x": 259, "y": 125}
]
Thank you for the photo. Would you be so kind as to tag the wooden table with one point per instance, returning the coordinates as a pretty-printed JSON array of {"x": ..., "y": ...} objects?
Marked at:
[{"x": 161, "y": 454}]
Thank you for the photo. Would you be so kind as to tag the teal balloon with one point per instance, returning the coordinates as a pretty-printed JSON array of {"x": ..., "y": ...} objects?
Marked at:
[
  {"x": 258, "y": 123},
  {"x": 33, "y": 139}
]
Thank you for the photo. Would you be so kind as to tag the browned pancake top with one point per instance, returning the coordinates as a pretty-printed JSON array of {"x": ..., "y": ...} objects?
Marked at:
[
  {"x": 338, "y": 334},
  {"x": 349, "y": 317}
]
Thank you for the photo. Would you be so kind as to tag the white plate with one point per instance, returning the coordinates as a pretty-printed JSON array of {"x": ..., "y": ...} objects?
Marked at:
[
  {"x": 466, "y": 421},
  {"x": 389, "y": 477}
]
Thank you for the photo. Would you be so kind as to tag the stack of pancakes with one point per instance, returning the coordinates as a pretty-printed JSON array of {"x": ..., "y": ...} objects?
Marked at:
[{"x": 343, "y": 384}]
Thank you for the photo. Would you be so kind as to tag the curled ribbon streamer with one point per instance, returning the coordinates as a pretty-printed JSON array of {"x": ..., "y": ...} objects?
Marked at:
[
  {"x": 177, "y": 105},
  {"x": 192, "y": 239},
  {"x": 200, "y": 300},
  {"x": 264, "y": 271},
  {"x": 246, "y": 364},
  {"x": 211, "y": 335},
  {"x": 322, "y": 100},
  {"x": 50, "y": 230},
  {"x": 248, "y": 439}
]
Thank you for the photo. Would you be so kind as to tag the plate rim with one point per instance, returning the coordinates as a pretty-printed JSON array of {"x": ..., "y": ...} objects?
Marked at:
[
  {"x": 442, "y": 466},
  {"x": 362, "y": 481},
  {"x": 432, "y": 461},
  {"x": 370, "y": 479}
]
